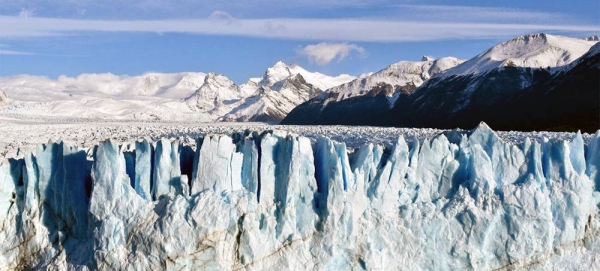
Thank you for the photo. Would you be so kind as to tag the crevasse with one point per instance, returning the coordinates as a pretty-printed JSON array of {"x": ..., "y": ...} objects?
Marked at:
[{"x": 275, "y": 200}]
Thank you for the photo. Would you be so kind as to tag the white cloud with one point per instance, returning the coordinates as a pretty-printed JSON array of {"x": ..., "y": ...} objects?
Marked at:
[
  {"x": 323, "y": 53},
  {"x": 351, "y": 30}
]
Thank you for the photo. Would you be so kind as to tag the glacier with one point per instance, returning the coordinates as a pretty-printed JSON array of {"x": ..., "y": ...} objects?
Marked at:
[{"x": 256, "y": 201}]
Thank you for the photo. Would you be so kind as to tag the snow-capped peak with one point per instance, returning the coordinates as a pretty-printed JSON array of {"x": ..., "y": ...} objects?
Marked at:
[
  {"x": 403, "y": 74},
  {"x": 280, "y": 71},
  {"x": 218, "y": 93},
  {"x": 535, "y": 50},
  {"x": 274, "y": 74},
  {"x": 427, "y": 58},
  {"x": 212, "y": 79}
]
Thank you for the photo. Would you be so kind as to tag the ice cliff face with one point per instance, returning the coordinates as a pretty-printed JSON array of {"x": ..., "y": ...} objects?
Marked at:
[{"x": 250, "y": 201}]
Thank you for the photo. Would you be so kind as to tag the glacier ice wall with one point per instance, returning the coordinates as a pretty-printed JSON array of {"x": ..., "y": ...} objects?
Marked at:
[{"x": 275, "y": 200}]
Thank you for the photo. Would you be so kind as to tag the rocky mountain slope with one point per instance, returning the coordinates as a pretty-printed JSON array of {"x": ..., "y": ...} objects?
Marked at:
[
  {"x": 267, "y": 98},
  {"x": 279, "y": 90},
  {"x": 376, "y": 93}
]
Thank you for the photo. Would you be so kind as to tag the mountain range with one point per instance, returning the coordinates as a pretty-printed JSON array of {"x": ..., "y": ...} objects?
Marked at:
[
  {"x": 538, "y": 81},
  {"x": 196, "y": 96}
]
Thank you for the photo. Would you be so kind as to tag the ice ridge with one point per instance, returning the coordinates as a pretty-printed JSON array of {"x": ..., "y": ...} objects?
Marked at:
[{"x": 277, "y": 200}]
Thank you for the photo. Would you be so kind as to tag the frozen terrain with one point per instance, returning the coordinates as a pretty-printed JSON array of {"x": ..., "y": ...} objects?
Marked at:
[{"x": 413, "y": 200}]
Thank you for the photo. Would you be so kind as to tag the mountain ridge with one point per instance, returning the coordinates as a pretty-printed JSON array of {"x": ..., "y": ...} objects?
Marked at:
[{"x": 455, "y": 98}]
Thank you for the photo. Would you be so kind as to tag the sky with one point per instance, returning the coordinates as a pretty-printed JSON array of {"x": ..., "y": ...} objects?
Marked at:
[{"x": 242, "y": 38}]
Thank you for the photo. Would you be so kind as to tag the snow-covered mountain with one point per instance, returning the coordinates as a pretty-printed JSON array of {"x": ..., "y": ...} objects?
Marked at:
[
  {"x": 404, "y": 76},
  {"x": 281, "y": 71},
  {"x": 279, "y": 90},
  {"x": 487, "y": 88},
  {"x": 375, "y": 92},
  {"x": 528, "y": 51},
  {"x": 162, "y": 96},
  {"x": 273, "y": 103},
  {"x": 217, "y": 96}
]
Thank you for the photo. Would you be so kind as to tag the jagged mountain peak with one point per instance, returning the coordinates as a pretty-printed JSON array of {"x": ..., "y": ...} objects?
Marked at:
[
  {"x": 427, "y": 58},
  {"x": 276, "y": 73},
  {"x": 281, "y": 70},
  {"x": 280, "y": 64},
  {"x": 218, "y": 94},
  {"x": 534, "y": 50},
  {"x": 217, "y": 79}
]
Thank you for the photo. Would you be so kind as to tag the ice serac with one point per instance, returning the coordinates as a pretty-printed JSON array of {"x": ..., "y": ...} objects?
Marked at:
[
  {"x": 280, "y": 201},
  {"x": 167, "y": 170},
  {"x": 144, "y": 159},
  {"x": 218, "y": 166}
]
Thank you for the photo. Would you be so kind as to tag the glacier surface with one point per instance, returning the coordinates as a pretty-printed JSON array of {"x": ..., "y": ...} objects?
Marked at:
[{"x": 277, "y": 200}]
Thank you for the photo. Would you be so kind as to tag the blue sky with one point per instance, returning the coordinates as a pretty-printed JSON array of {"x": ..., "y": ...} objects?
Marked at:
[{"x": 241, "y": 38}]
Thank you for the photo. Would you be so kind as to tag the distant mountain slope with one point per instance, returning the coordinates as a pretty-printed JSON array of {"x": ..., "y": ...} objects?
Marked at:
[
  {"x": 375, "y": 93},
  {"x": 149, "y": 96},
  {"x": 170, "y": 85}
]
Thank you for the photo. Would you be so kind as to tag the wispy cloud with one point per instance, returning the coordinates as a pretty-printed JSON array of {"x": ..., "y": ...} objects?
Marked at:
[
  {"x": 283, "y": 28},
  {"x": 478, "y": 14},
  {"x": 323, "y": 53},
  {"x": 140, "y": 9},
  {"x": 5, "y": 51}
]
